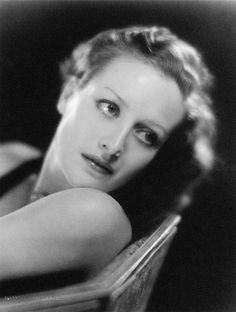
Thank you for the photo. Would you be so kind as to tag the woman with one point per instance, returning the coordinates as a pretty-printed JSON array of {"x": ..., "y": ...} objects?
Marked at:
[{"x": 135, "y": 137}]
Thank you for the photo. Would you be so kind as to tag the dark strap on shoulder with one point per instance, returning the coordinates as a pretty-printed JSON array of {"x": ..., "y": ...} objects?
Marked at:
[{"x": 17, "y": 175}]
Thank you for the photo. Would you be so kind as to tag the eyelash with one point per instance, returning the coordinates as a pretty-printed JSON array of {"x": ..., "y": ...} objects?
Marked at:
[
  {"x": 153, "y": 140},
  {"x": 104, "y": 105}
]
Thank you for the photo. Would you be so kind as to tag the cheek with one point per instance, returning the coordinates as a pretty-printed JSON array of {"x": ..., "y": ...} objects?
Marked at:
[
  {"x": 78, "y": 126},
  {"x": 140, "y": 159}
]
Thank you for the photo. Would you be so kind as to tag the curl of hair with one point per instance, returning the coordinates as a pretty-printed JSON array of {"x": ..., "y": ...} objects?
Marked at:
[{"x": 188, "y": 154}]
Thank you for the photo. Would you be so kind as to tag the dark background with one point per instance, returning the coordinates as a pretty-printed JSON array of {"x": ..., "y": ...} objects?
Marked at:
[{"x": 199, "y": 272}]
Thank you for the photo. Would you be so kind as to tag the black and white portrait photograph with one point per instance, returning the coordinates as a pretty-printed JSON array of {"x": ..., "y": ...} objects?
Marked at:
[{"x": 117, "y": 155}]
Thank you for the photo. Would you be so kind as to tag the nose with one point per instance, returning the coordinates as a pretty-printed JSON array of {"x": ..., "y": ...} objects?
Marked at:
[{"x": 112, "y": 145}]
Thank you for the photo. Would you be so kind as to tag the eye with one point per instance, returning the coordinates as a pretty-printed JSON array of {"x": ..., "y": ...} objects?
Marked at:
[
  {"x": 148, "y": 137},
  {"x": 108, "y": 108}
]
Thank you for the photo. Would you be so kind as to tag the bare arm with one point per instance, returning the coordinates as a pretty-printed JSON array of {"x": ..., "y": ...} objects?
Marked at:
[{"x": 67, "y": 230}]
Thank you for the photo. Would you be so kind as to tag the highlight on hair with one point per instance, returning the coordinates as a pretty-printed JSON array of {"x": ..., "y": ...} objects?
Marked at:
[{"x": 188, "y": 153}]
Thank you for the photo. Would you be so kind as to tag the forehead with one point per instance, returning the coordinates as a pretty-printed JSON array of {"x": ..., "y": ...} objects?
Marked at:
[{"x": 146, "y": 90}]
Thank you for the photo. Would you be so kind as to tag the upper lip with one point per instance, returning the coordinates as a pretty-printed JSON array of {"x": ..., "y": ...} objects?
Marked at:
[{"x": 98, "y": 161}]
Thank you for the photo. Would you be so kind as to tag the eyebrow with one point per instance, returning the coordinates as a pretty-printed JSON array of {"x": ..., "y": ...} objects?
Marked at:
[
  {"x": 117, "y": 95},
  {"x": 146, "y": 121}
]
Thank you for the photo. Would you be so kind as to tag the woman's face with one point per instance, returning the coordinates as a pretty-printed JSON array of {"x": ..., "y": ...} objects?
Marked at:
[{"x": 114, "y": 126}]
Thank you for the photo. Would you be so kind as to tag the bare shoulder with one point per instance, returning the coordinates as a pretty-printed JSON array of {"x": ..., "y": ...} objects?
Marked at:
[
  {"x": 12, "y": 154},
  {"x": 104, "y": 213},
  {"x": 103, "y": 224}
]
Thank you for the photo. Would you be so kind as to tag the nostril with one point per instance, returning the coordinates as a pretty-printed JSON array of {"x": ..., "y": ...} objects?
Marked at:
[
  {"x": 110, "y": 151},
  {"x": 103, "y": 145}
]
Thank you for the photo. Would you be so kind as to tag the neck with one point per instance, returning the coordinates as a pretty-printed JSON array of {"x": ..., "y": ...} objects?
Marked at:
[{"x": 51, "y": 179}]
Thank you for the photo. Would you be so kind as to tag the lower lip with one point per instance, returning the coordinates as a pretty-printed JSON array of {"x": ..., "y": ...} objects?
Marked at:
[{"x": 96, "y": 167}]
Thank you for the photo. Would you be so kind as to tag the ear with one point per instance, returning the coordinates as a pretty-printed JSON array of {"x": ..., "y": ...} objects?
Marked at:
[{"x": 66, "y": 93}]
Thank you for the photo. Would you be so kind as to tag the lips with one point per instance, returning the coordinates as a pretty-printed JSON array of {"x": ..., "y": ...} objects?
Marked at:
[{"x": 97, "y": 164}]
